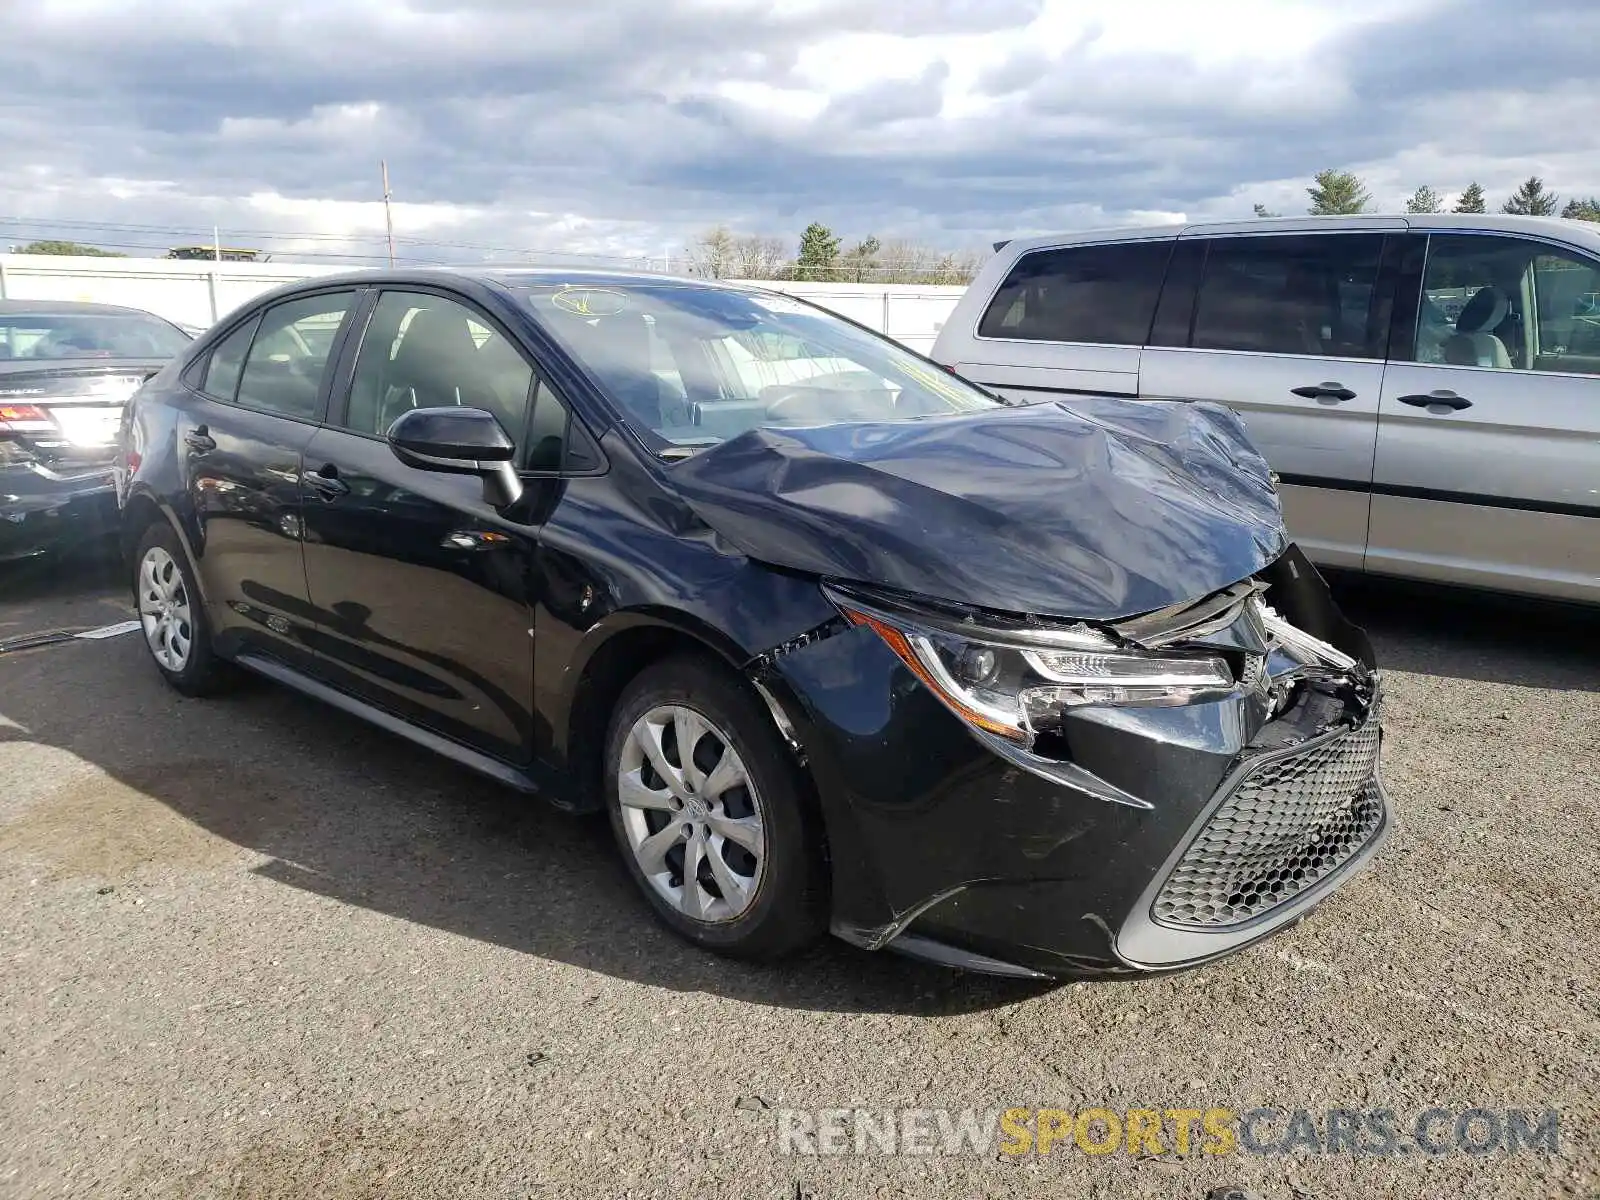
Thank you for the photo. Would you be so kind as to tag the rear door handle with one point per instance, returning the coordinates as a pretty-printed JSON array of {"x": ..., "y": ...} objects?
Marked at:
[
  {"x": 325, "y": 479},
  {"x": 199, "y": 440},
  {"x": 1444, "y": 396},
  {"x": 1324, "y": 391}
]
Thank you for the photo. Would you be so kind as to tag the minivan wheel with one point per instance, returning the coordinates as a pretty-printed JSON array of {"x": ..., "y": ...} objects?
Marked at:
[
  {"x": 711, "y": 813},
  {"x": 172, "y": 616}
]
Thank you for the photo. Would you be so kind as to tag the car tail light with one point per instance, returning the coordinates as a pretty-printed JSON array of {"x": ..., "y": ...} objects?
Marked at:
[{"x": 24, "y": 418}]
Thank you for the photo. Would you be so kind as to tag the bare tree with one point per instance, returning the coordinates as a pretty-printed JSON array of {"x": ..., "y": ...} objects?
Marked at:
[
  {"x": 713, "y": 253},
  {"x": 861, "y": 260},
  {"x": 902, "y": 261},
  {"x": 758, "y": 257}
]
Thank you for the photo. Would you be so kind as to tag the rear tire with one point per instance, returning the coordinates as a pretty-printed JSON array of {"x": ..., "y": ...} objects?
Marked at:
[
  {"x": 173, "y": 617},
  {"x": 734, "y": 808}
]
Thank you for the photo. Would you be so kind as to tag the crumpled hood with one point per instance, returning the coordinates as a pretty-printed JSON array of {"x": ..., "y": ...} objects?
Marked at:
[{"x": 1092, "y": 508}]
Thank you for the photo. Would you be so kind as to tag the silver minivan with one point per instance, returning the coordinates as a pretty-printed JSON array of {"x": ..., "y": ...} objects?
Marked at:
[{"x": 1427, "y": 388}]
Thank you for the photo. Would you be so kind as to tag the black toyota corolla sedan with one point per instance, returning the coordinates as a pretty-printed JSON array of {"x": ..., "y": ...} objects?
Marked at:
[{"x": 837, "y": 640}]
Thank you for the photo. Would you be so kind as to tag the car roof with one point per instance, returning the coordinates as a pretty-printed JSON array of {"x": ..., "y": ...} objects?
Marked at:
[
  {"x": 511, "y": 276},
  {"x": 1563, "y": 229},
  {"x": 43, "y": 308}
]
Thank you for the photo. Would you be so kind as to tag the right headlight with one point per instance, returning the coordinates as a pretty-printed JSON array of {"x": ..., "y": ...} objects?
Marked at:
[{"x": 1016, "y": 682}]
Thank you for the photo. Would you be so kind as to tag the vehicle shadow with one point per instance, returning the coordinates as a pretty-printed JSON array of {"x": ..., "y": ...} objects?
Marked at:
[
  {"x": 345, "y": 811},
  {"x": 1458, "y": 634}
]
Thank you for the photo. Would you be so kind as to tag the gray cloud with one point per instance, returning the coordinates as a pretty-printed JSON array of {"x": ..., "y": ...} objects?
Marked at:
[{"x": 532, "y": 124}]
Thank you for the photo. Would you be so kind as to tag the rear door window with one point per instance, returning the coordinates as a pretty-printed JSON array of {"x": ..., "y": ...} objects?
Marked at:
[
  {"x": 284, "y": 370},
  {"x": 1315, "y": 294},
  {"x": 227, "y": 361},
  {"x": 1105, "y": 295}
]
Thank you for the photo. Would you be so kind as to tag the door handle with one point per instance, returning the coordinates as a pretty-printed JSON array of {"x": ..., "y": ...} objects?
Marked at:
[
  {"x": 325, "y": 480},
  {"x": 199, "y": 440},
  {"x": 1443, "y": 396},
  {"x": 1324, "y": 391}
]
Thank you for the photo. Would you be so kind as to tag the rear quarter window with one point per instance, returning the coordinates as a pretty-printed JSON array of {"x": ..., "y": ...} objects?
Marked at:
[{"x": 1098, "y": 294}]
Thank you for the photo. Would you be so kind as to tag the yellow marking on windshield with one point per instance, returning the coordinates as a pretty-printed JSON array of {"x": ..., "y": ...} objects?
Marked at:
[
  {"x": 936, "y": 381},
  {"x": 590, "y": 302}
]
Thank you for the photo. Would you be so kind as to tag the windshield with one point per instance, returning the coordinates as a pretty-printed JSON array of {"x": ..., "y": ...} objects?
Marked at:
[
  {"x": 698, "y": 365},
  {"x": 87, "y": 335}
]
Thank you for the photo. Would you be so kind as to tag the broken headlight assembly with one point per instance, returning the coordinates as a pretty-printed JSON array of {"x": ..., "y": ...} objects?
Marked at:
[{"x": 1018, "y": 681}]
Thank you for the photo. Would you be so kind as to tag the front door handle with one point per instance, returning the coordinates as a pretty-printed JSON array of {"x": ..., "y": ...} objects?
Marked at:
[
  {"x": 325, "y": 480},
  {"x": 1324, "y": 391},
  {"x": 1444, "y": 397},
  {"x": 199, "y": 440}
]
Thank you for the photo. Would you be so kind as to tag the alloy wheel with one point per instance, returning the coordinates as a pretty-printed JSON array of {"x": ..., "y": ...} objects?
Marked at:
[
  {"x": 164, "y": 609},
  {"x": 691, "y": 813}
]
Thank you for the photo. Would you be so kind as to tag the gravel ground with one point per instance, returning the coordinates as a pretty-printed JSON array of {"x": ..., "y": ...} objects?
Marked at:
[{"x": 254, "y": 948}]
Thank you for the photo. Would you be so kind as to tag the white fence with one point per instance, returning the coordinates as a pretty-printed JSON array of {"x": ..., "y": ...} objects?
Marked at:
[{"x": 197, "y": 293}]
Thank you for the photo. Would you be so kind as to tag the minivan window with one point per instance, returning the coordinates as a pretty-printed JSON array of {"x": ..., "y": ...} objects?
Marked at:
[
  {"x": 283, "y": 373},
  {"x": 1475, "y": 290},
  {"x": 1099, "y": 294},
  {"x": 1314, "y": 294}
]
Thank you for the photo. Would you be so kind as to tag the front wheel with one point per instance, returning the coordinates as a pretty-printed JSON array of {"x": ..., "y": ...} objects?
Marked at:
[
  {"x": 172, "y": 616},
  {"x": 712, "y": 813}
]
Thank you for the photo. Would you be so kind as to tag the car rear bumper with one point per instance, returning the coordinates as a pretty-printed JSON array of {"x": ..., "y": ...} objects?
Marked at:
[
  {"x": 40, "y": 511},
  {"x": 982, "y": 857}
]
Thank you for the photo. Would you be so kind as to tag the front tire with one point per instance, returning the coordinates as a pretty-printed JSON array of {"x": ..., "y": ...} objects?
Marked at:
[
  {"x": 172, "y": 615},
  {"x": 712, "y": 814}
]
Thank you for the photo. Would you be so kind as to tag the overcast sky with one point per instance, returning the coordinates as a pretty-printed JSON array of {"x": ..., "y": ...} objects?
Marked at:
[{"x": 625, "y": 127}]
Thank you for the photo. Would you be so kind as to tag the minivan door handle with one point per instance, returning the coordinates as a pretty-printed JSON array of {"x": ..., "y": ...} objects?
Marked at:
[
  {"x": 199, "y": 440},
  {"x": 1324, "y": 391},
  {"x": 1444, "y": 397},
  {"x": 325, "y": 480}
]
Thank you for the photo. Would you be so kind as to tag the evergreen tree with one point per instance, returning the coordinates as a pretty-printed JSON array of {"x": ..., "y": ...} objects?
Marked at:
[
  {"x": 1471, "y": 200},
  {"x": 1531, "y": 200},
  {"x": 1583, "y": 210},
  {"x": 1425, "y": 200},
  {"x": 1337, "y": 193},
  {"x": 819, "y": 253}
]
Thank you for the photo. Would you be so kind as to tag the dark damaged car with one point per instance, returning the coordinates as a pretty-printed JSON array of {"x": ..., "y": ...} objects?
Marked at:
[
  {"x": 837, "y": 640},
  {"x": 66, "y": 370}
]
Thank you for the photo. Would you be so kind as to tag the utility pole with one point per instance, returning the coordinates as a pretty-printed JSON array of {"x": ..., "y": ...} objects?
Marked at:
[
  {"x": 388, "y": 218},
  {"x": 216, "y": 244}
]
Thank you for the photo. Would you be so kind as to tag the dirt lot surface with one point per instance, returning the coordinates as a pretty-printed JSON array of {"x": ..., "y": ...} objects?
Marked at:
[{"x": 254, "y": 948}]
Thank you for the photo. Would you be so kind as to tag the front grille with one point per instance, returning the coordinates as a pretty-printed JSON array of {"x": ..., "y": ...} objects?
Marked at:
[{"x": 1287, "y": 824}]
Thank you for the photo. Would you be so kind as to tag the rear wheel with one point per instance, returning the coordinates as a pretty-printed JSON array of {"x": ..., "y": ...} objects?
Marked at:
[
  {"x": 711, "y": 812},
  {"x": 172, "y": 616}
]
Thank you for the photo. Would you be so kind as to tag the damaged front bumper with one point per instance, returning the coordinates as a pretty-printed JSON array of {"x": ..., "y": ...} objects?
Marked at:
[{"x": 1130, "y": 838}]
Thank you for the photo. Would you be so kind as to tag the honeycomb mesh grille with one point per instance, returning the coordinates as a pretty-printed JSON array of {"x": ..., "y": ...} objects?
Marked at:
[{"x": 1286, "y": 825}]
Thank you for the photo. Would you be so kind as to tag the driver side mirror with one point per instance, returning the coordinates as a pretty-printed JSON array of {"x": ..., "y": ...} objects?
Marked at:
[{"x": 459, "y": 441}]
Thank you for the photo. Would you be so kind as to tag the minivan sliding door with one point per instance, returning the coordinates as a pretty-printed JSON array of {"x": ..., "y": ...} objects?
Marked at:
[{"x": 1290, "y": 330}]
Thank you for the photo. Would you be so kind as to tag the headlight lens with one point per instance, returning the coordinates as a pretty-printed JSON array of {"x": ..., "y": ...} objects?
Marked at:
[{"x": 1015, "y": 683}]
